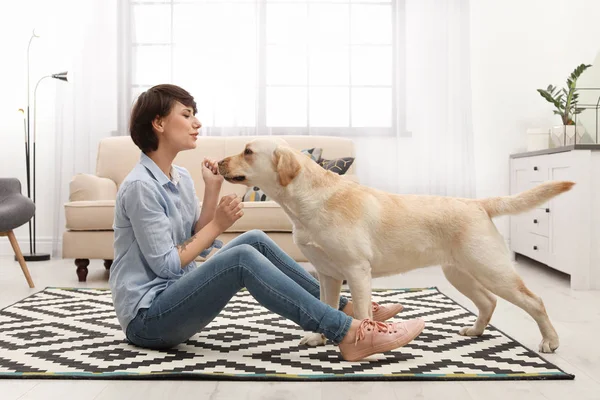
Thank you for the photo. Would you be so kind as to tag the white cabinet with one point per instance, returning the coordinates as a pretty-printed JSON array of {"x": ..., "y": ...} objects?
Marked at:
[{"x": 563, "y": 233}]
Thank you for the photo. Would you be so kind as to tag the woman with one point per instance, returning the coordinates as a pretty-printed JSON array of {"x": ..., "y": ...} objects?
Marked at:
[{"x": 161, "y": 298}]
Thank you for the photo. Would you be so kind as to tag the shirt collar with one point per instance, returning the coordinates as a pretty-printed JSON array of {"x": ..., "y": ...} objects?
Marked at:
[
  {"x": 175, "y": 175},
  {"x": 157, "y": 172}
]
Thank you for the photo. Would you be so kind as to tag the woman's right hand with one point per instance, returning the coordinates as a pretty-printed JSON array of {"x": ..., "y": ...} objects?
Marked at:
[{"x": 228, "y": 211}]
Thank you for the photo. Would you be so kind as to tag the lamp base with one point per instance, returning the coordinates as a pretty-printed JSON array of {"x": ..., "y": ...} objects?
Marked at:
[{"x": 35, "y": 257}]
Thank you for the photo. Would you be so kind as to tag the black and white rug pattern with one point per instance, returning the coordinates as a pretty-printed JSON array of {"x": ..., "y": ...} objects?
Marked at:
[{"x": 74, "y": 334}]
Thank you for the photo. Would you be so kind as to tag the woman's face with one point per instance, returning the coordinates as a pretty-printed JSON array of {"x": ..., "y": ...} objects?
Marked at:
[{"x": 179, "y": 128}]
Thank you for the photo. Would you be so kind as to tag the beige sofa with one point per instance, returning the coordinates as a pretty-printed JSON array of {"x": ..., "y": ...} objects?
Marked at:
[{"x": 90, "y": 210}]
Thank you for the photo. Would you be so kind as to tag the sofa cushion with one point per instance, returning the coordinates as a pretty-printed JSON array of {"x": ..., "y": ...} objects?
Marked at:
[
  {"x": 91, "y": 215},
  {"x": 99, "y": 215}
]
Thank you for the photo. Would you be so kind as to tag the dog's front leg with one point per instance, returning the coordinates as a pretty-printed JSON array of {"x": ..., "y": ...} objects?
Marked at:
[
  {"x": 330, "y": 295},
  {"x": 330, "y": 290},
  {"x": 329, "y": 287},
  {"x": 359, "y": 281}
]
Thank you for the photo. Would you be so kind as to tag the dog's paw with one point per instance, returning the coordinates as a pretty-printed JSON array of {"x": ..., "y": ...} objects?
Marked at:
[
  {"x": 314, "y": 339},
  {"x": 470, "y": 331},
  {"x": 549, "y": 345}
]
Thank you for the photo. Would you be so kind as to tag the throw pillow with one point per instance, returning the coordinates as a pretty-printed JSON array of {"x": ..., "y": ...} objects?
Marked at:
[
  {"x": 338, "y": 165},
  {"x": 255, "y": 194},
  {"x": 314, "y": 153}
]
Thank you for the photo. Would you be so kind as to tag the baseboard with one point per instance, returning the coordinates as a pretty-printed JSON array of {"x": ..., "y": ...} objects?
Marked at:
[{"x": 43, "y": 245}]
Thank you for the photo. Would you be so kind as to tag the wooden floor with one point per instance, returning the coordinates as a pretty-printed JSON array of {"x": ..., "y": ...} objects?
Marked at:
[{"x": 576, "y": 316}]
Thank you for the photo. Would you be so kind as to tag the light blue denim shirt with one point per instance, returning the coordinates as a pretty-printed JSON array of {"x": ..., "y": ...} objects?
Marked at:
[{"x": 153, "y": 215}]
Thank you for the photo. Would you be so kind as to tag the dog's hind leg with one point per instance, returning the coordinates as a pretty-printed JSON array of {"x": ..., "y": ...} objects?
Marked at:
[
  {"x": 483, "y": 299},
  {"x": 487, "y": 259}
]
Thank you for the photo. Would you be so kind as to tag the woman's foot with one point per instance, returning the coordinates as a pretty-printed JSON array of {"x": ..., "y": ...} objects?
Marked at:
[
  {"x": 380, "y": 312},
  {"x": 366, "y": 337}
]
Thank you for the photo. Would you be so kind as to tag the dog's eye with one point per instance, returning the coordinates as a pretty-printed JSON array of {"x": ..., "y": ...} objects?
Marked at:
[{"x": 247, "y": 152}]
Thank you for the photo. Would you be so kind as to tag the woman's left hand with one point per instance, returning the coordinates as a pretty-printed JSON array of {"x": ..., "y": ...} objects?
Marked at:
[{"x": 210, "y": 173}]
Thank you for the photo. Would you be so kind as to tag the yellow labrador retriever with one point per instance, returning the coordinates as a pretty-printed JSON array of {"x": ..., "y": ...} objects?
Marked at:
[{"x": 348, "y": 231}]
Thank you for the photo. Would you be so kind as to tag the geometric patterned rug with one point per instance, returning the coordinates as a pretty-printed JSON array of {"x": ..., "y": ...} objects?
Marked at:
[{"x": 69, "y": 333}]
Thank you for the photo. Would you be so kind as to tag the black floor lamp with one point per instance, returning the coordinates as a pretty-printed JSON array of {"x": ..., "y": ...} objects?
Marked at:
[{"x": 33, "y": 255}]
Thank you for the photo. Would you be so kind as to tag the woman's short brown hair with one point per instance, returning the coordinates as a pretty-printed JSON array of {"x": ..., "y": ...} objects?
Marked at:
[{"x": 158, "y": 101}]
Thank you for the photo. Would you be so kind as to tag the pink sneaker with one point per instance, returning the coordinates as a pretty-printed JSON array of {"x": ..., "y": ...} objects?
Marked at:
[
  {"x": 377, "y": 337},
  {"x": 386, "y": 311}
]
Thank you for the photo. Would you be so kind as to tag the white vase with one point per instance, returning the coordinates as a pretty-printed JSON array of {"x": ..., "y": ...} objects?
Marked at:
[
  {"x": 538, "y": 139},
  {"x": 564, "y": 135}
]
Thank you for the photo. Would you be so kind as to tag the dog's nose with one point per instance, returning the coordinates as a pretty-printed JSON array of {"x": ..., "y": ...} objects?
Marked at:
[{"x": 220, "y": 163}]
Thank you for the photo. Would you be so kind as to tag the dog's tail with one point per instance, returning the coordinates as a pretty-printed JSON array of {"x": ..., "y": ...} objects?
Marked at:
[{"x": 526, "y": 200}]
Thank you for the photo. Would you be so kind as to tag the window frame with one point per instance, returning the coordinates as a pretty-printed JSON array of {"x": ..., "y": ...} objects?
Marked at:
[{"x": 398, "y": 113}]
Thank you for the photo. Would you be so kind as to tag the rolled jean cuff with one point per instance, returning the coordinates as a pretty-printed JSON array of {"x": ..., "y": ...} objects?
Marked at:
[{"x": 343, "y": 331}]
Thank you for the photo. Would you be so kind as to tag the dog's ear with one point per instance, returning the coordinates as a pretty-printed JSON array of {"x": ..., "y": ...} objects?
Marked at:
[{"x": 286, "y": 165}]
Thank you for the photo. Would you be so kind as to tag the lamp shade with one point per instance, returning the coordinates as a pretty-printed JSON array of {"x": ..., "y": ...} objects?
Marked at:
[{"x": 63, "y": 76}]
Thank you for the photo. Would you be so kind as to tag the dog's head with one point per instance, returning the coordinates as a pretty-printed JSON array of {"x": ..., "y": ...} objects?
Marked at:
[{"x": 265, "y": 162}]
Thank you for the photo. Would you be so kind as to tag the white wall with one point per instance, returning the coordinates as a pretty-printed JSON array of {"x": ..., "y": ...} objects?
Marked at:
[{"x": 517, "y": 47}]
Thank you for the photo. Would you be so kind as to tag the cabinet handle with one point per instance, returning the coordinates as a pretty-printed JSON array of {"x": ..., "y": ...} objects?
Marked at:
[
  {"x": 535, "y": 247},
  {"x": 547, "y": 210},
  {"x": 535, "y": 168},
  {"x": 535, "y": 221}
]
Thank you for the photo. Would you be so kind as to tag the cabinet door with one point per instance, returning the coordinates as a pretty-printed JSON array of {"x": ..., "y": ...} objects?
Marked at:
[
  {"x": 519, "y": 182},
  {"x": 526, "y": 173},
  {"x": 563, "y": 212}
]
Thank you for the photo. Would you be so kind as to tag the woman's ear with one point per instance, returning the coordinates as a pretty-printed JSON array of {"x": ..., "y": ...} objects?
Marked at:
[
  {"x": 286, "y": 165},
  {"x": 158, "y": 123}
]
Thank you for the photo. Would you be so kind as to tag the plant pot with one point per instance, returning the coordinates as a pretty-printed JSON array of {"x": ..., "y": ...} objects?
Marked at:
[
  {"x": 566, "y": 135},
  {"x": 538, "y": 139}
]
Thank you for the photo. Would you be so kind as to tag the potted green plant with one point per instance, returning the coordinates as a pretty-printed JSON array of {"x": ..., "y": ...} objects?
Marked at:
[{"x": 565, "y": 103}]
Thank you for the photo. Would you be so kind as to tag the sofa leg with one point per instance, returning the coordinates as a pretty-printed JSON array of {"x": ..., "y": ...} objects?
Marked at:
[
  {"x": 82, "y": 270},
  {"x": 107, "y": 264}
]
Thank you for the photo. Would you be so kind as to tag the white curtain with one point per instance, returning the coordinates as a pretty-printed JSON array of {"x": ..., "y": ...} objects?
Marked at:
[
  {"x": 86, "y": 107},
  {"x": 326, "y": 64},
  {"x": 433, "y": 154}
]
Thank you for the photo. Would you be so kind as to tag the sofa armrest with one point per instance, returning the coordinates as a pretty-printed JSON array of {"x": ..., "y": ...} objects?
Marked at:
[{"x": 91, "y": 187}]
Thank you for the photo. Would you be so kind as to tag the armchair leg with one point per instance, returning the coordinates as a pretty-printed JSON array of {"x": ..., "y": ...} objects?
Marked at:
[
  {"x": 82, "y": 270},
  {"x": 17, "y": 250}
]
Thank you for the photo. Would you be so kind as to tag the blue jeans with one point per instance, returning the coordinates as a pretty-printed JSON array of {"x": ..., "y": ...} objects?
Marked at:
[{"x": 251, "y": 260}]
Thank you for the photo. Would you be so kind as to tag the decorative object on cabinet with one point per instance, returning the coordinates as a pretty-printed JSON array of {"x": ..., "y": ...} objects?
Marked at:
[
  {"x": 565, "y": 102},
  {"x": 590, "y": 111},
  {"x": 538, "y": 139}
]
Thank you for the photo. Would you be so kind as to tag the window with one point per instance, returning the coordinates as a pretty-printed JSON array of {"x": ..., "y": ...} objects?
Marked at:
[{"x": 277, "y": 66}]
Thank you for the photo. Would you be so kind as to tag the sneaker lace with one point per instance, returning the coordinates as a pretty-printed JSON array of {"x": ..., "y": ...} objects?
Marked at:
[{"x": 368, "y": 325}]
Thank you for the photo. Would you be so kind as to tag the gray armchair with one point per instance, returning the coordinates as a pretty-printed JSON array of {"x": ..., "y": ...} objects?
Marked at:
[{"x": 15, "y": 210}]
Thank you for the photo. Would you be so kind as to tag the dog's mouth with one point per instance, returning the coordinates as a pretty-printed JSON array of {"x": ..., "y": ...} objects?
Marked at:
[{"x": 235, "y": 179}]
